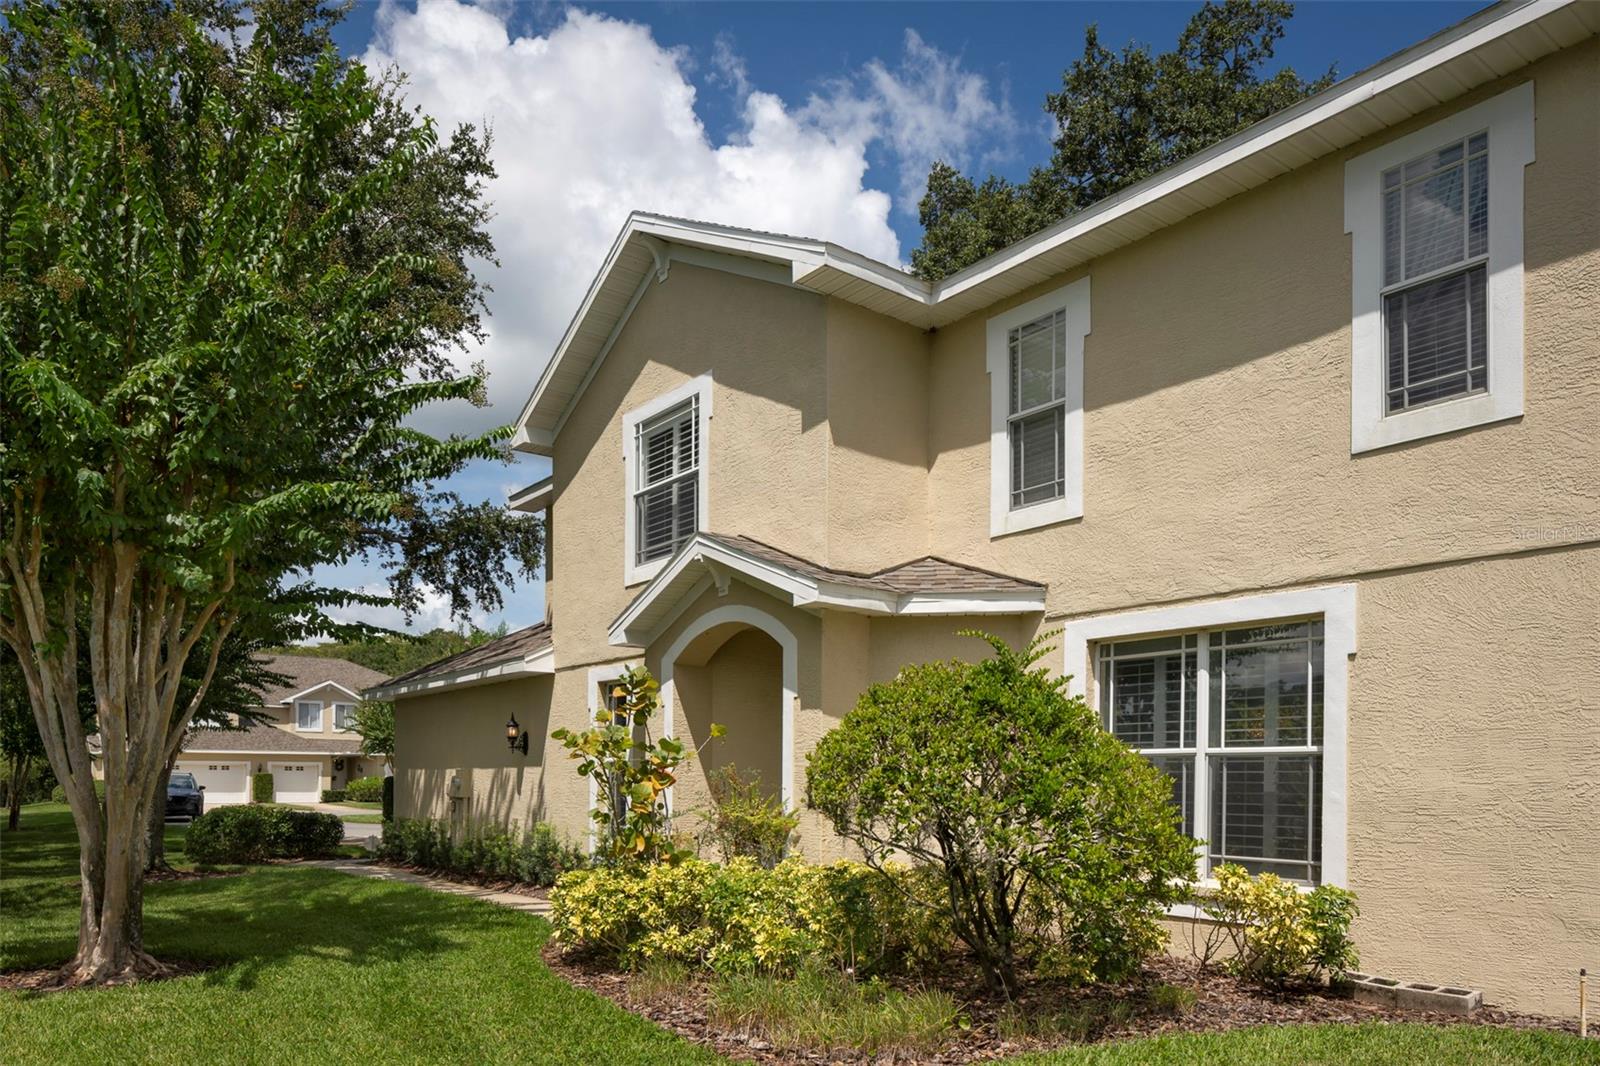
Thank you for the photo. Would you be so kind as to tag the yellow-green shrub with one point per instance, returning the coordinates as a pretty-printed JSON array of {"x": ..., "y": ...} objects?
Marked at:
[
  {"x": 739, "y": 917},
  {"x": 1280, "y": 933}
]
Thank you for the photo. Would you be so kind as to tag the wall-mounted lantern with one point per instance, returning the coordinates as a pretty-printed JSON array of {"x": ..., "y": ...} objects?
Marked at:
[{"x": 516, "y": 739}]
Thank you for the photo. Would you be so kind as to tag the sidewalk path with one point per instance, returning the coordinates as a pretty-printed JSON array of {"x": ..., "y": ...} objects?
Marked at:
[{"x": 358, "y": 868}]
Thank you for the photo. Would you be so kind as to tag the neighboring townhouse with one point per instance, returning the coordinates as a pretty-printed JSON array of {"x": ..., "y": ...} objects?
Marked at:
[
  {"x": 1295, "y": 446},
  {"x": 307, "y": 745}
]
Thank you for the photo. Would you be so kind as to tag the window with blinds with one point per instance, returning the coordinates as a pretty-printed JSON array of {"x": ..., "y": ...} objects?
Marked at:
[
  {"x": 1435, "y": 270},
  {"x": 1233, "y": 717},
  {"x": 667, "y": 450},
  {"x": 1038, "y": 408}
]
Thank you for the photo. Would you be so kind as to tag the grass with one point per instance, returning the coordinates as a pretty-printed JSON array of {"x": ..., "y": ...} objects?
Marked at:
[
  {"x": 318, "y": 967},
  {"x": 823, "y": 1010}
]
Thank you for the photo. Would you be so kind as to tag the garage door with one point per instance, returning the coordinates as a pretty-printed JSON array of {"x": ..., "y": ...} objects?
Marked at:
[
  {"x": 225, "y": 782},
  {"x": 294, "y": 782}
]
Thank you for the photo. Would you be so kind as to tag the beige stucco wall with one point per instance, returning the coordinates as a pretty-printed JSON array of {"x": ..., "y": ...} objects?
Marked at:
[{"x": 283, "y": 715}]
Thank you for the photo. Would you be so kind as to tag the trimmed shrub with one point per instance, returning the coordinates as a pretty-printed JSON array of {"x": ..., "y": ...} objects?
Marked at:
[
  {"x": 250, "y": 834},
  {"x": 59, "y": 793},
  {"x": 741, "y": 918},
  {"x": 536, "y": 856},
  {"x": 1056, "y": 844},
  {"x": 1278, "y": 933},
  {"x": 260, "y": 788},
  {"x": 388, "y": 799},
  {"x": 333, "y": 795},
  {"x": 744, "y": 821},
  {"x": 364, "y": 790}
]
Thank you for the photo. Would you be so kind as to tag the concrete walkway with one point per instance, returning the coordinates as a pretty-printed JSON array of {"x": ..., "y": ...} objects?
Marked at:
[{"x": 358, "y": 868}]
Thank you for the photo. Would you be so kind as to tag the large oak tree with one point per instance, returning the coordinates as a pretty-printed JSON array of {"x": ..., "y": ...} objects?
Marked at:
[{"x": 230, "y": 272}]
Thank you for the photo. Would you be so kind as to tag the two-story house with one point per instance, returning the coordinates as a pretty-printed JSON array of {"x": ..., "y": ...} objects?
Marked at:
[
  {"x": 303, "y": 737},
  {"x": 1296, "y": 444}
]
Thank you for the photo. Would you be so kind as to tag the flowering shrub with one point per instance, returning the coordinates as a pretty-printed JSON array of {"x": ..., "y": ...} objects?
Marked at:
[
  {"x": 739, "y": 917},
  {"x": 1279, "y": 933}
]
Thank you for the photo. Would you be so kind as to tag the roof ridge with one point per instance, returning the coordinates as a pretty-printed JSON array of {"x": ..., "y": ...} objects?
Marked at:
[
  {"x": 477, "y": 649},
  {"x": 970, "y": 566}
]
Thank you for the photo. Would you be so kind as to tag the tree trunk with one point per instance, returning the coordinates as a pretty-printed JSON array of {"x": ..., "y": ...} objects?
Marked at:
[
  {"x": 111, "y": 919},
  {"x": 156, "y": 860},
  {"x": 19, "y": 781}
]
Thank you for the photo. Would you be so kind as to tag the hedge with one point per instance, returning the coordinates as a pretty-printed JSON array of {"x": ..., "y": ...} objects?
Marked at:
[
  {"x": 333, "y": 795},
  {"x": 261, "y": 788},
  {"x": 364, "y": 790},
  {"x": 246, "y": 834},
  {"x": 536, "y": 856}
]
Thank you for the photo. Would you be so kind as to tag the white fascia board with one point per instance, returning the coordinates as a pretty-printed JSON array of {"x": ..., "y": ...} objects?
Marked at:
[
  {"x": 1031, "y": 602},
  {"x": 289, "y": 700},
  {"x": 542, "y": 662},
  {"x": 534, "y": 498}
]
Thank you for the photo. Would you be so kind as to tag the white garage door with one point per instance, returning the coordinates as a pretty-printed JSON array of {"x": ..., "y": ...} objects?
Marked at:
[
  {"x": 296, "y": 782},
  {"x": 225, "y": 782}
]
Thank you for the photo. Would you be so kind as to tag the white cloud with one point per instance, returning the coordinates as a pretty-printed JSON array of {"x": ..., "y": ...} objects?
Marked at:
[
  {"x": 594, "y": 119},
  {"x": 432, "y": 613}
]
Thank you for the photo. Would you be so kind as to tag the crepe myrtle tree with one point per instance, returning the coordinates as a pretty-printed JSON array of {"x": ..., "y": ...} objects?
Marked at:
[
  {"x": 1053, "y": 840},
  {"x": 229, "y": 274}
]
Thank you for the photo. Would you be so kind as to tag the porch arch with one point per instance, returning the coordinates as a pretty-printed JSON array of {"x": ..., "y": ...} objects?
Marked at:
[{"x": 742, "y": 615}]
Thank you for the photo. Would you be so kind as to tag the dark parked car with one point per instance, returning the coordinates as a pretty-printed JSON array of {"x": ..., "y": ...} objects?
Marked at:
[{"x": 185, "y": 799}]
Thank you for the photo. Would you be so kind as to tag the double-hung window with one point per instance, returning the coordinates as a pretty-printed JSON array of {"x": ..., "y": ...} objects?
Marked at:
[
  {"x": 343, "y": 716},
  {"x": 1435, "y": 219},
  {"x": 1234, "y": 718},
  {"x": 664, "y": 452},
  {"x": 1035, "y": 362},
  {"x": 308, "y": 716}
]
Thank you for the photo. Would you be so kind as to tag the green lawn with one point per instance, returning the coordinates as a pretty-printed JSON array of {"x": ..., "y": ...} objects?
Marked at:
[{"x": 322, "y": 967}]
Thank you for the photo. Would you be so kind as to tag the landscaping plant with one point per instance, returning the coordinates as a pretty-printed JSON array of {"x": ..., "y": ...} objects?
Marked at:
[
  {"x": 246, "y": 834},
  {"x": 261, "y": 788},
  {"x": 364, "y": 790},
  {"x": 632, "y": 771},
  {"x": 743, "y": 821},
  {"x": 1053, "y": 841},
  {"x": 536, "y": 856},
  {"x": 1278, "y": 933}
]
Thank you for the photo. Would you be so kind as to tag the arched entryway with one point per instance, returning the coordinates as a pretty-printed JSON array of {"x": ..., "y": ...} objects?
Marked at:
[{"x": 736, "y": 666}]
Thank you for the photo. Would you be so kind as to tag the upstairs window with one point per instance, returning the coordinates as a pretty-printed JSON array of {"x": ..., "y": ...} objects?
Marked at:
[
  {"x": 343, "y": 716},
  {"x": 1435, "y": 220},
  {"x": 1435, "y": 272},
  {"x": 1038, "y": 353},
  {"x": 665, "y": 507},
  {"x": 308, "y": 716},
  {"x": 664, "y": 450}
]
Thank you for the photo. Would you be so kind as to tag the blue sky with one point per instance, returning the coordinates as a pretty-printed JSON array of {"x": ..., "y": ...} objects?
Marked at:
[{"x": 817, "y": 119}]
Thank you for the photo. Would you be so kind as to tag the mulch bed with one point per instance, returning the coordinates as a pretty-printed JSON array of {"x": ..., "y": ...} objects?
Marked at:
[
  {"x": 519, "y": 888},
  {"x": 53, "y": 978},
  {"x": 1221, "y": 1004}
]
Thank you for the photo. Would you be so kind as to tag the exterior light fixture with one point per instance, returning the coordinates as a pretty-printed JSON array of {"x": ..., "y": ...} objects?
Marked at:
[{"x": 516, "y": 739}]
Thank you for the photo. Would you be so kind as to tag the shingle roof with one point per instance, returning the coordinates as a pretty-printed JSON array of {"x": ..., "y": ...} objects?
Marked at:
[
  {"x": 927, "y": 574},
  {"x": 265, "y": 738},
  {"x": 309, "y": 671},
  {"x": 512, "y": 646}
]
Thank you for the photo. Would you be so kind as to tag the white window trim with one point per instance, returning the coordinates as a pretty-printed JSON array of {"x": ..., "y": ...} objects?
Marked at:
[
  {"x": 1074, "y": 300},
  {"x": 1509, "y": 120},
  {"x": 1336, "y": 604},
  {"x": 336, "y": 727},
  {"x": 700, "y": 390},
  {"x": 318, "y": 704}
]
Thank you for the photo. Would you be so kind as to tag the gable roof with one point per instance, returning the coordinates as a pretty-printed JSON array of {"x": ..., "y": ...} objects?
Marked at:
[
  {"x": 925, "y": 586},
  {"x": 525, "y": 652},
  {"x": 1486, "y": 46},
  {"x": 306, "y": 673},
  {"x": 267, "y": 740}
]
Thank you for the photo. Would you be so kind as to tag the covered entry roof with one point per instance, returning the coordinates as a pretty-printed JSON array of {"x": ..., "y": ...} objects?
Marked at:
[{"x": 925, "y": 586}]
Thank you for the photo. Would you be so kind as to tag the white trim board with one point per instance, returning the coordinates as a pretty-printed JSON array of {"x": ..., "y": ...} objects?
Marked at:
[
  {"x": 1336, "y": 604},
  {"x": 289, "y": 701},
  {"x": 1509, "y": 119},
  {"x": 540, "y": 663},
  {"x": 700, "y": 390}
]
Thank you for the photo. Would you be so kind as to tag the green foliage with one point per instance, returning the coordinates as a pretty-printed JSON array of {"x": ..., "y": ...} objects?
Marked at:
[
  {"x": 249, "y": 834},
  {"x": 333, "y": 795},
  {"x": 261, "y": 788},
  {"x": 1278, "y": 933},
  {"x": 59, "y": 794},
  {"x": 374, "y": 721},
  {"x": 393, "y": 654},
  {"x": 1121, "y": 117},
  {"x": 1056, "y": 844},
  {"x": 746, "y": 822},
  {"x": 1079, "y": 1022},
  {"x": 364, "y": 790},
  {"x": 536, "y": 856},
  {"x": 739, "y": 917},
  {"x": 632, "y": 772},
  {"x": 820, "y": 1010},
  {"x": 388, "y": 799}
]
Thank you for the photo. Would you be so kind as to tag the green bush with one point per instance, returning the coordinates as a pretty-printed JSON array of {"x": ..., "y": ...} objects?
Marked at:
[
  {"x": 744, "y": 821},
  {"x": 364, "y": 790},
  {"x": 59, "y": 793},
  {"x": 824, "y": 1011},
  {"x": 1278, "y": 933},
  {"x": 1056, "y": 844},
  {"x": 260, "y": 788},
  {"x": 388, "y": 799},
  {"x": 249, "y": 834},
  {"x": 741, "y": 918},
  {"x": 333, "y": 795},
  {"x": 536, "y": 856}
]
